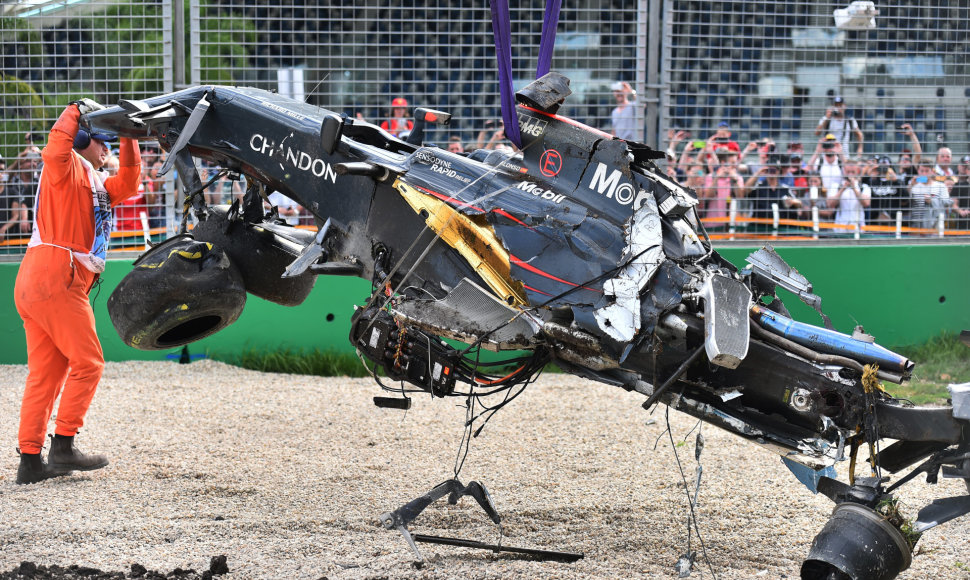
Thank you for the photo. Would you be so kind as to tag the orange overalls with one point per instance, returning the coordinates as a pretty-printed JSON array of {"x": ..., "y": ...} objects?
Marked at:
[{"x": 51, "y": 293}]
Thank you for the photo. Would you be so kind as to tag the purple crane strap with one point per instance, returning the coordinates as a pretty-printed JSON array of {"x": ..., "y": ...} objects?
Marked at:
[
  {"x": 502, "y": 29},
  {"x": 549, "y": 24}
]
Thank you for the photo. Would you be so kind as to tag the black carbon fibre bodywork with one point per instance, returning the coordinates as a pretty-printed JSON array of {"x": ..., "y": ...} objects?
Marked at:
[{"x": 585, "y": 252}]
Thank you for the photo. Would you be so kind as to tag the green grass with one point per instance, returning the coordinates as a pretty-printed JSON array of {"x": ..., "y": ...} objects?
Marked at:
[
  {"x": 317, "y": 362},
  {"x": 939, "y": 361}
]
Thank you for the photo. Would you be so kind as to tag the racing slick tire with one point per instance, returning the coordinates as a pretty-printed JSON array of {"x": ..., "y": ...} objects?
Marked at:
[{"x": 178, "y": 292}]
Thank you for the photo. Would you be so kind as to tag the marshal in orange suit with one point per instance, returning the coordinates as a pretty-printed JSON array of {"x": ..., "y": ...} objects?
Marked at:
[{"x": 65, "y": 256}]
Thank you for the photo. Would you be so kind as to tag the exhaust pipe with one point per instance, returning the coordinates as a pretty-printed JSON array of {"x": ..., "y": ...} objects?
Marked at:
[{"x": 857, "y": 544}]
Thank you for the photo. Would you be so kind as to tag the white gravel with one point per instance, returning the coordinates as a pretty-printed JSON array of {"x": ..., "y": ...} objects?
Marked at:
[{"x": 286, "y": 475}]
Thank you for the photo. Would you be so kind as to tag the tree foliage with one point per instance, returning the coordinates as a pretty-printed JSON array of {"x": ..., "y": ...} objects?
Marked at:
[
  {"x": 114, "y": 53},
  {"x": 23, "y": 112}
]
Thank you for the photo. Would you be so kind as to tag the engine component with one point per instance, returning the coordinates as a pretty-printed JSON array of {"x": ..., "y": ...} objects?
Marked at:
[{"x": 404, "y": 355}]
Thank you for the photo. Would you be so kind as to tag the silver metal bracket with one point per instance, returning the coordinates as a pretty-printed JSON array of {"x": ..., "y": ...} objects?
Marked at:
[{"x": 310, "y": 254}]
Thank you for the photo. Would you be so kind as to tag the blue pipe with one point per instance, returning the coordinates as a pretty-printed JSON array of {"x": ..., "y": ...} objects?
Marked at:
[{"x": 831, "y": 342}]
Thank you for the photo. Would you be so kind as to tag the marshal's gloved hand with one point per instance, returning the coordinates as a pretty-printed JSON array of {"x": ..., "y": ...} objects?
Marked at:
[{"x": 86, "y": 106}]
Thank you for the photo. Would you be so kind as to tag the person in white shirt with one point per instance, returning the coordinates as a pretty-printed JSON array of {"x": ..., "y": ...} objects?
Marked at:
[
  {"x": 839, "y": 123},
  {"x": 850, "y": 200},
  {"x": 288, "y": 209},
  {"x": 624, "y": 115}
]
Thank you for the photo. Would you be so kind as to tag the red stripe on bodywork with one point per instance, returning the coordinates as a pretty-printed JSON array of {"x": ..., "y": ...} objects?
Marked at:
[
  {"x": 527, "y": 287},
  {"x": 511, "y": 217},
  {"x": 534, "y": 270},
  {"x": 570, "y": 122}
]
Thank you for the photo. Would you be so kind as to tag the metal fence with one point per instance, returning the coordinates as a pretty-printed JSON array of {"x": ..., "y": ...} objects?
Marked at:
[
  {"x": 353, "y": 58},
  {"x": 769, "y": 81},
  {"x": 56, "y": 52},
  {"x": 768, "y": 70}
]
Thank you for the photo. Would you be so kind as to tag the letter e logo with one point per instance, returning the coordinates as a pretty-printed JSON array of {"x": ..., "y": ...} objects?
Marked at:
[{"x": 550, "y": 163}]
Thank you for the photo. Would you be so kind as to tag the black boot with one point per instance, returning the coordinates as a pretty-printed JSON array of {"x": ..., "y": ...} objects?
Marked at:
[
  {"x": 64, "y": 455},
  {"x": 33, "y": 469}
]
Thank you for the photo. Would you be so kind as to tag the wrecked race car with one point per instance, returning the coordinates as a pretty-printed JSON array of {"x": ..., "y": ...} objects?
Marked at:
[{"x": 575, "y": 250}]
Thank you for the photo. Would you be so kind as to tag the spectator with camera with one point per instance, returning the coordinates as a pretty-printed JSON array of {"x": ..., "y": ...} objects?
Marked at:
[
  {"x": 793, "y": 173},
  {"x": 828, "y": 162},
  {"x": 674, "y": 137},
  {"x": 496, "y": 141},
  {"x": 23, "y": 176},
  {"x": 765, "y": 148},
  {"x": 850, "y": 199},
  {"x": 838, "y": 122},
  {"x": 721, "y": 139},
  {"x": 910, "y": 158},
  {"x": 887, "y": 193},
  {"x": 768, "y": 189}
]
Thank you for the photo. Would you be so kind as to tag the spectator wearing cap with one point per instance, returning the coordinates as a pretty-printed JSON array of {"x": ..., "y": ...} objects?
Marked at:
[
  {"x": 794, "y": 174},
  {"x": 721, "y": 139},
  {"x": 828, "y": 161},
  {"x": 838, "y": 122},
  {"x": 944, "y": 156},
  {"x": 886, "y": 189},
  {"x": 398, "y": 124},
  {"x": 623, "y": 116}
]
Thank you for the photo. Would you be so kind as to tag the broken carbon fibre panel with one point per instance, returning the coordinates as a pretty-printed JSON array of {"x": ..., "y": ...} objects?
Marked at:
[{"x": 619, "y": 312}]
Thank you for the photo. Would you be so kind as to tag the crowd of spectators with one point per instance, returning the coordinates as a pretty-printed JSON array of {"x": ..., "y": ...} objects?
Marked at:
[
  {"x": 733, "y": 183},
  {"x": 20, "y": 178},
  {"x": 848, "y": 191}
]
